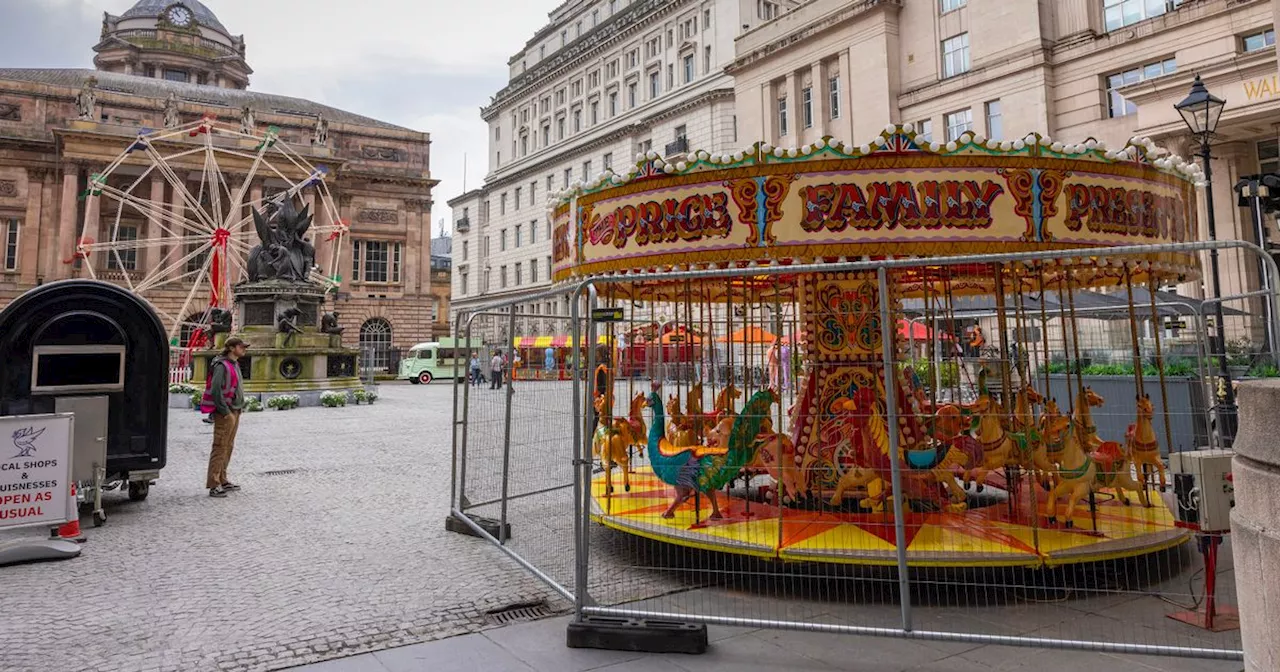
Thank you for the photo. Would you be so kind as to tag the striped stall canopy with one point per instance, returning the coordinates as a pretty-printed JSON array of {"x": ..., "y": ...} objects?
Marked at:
[{"x": 561, "y": 341}]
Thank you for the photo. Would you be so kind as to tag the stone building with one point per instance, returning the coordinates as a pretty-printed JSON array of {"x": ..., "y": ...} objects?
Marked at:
[
  {"x": 173, "y": 60},
  {"x": 603, "y": 81},
  {"x": 1071, "y": 69}
]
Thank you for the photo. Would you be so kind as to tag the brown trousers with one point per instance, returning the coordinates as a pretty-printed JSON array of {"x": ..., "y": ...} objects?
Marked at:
[{"x": 224, "y": 441}]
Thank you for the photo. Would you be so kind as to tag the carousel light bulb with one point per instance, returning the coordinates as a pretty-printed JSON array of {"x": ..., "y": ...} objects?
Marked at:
[
  {"x": 1030, "y": 139},
  {"x": 1005, "y": 146},
  {"x": 1057, "y": 147},
  {"x": 652, "y": 155},
  {"x": 908, "y": 128},
  {"x": 864, "y": 149},
  {"x": 1045, "y": 141},
  {"x": 1102, "y": 146},
  {"x": 951, "y": 146},
  {"x": 966, "y": 138},
  {"x": 639, "y": 157},
  {"x": 979, "y": 139},
  {"x": 668, "y": 168},
  {"x": 1090, "y": 143},
  {"x": 682, "y": 166},
  {"x": 805, "y": 150},
  {"x": 993, "y": 144},
  {"x": 881, "y": 141},
  {"x": 1019, "y": 145},
  {"x": 1110, "y": 156},
  {"x": 779, "y": 152},
  {"x": 821, "y": 144},
  {"x": 890, "y": 129},
  {"x": 793, "y": 153},
  {"x": 766, "y": 148},
  {"x": 934, "y": 146}
]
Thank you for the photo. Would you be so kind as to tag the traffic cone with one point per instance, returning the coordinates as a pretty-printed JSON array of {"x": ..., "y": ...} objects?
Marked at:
[{"x": 71, "y": 531}]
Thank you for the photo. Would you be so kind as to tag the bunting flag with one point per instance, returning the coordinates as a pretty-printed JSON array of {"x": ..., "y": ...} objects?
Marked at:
[
  {"x": 141, "y": 142},
  {"x": 202, "y": 128},
  {"x": 96, "y": 181},
  {"x": 343, "y": 226},
  {"x": 80, "y": 251},
  {"x": 269, "y": 138}
]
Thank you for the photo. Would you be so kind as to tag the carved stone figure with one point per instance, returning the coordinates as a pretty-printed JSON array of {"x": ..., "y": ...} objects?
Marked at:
[
  {"x": 87, "y": 99},
  {"x": 247, "y": 122},
  {"x": 329, "y": 324},
  {"x": 219, "y": 321},
  {"x": 320, "y": 135},
  {"x": 284, "y": 253},
  {"x": 287, "y": 323},
  {"x": 171, "y": 118}
]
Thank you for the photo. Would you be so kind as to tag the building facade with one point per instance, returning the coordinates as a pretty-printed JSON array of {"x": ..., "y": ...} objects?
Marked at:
[
  {"x": 168, "y": 62},
  {"x": 603, "y": 81},
  {"x": 1070, "y": 69}
]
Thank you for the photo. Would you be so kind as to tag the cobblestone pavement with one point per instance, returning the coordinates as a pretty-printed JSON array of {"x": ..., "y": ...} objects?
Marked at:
[{"x": 335, "y": 545}]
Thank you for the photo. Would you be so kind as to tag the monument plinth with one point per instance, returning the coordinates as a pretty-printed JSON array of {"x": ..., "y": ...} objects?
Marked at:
[{"x": 294, "y": 346}]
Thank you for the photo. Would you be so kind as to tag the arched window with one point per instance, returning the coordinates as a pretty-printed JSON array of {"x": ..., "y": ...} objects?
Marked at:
[{"x": 375, "y": 343}]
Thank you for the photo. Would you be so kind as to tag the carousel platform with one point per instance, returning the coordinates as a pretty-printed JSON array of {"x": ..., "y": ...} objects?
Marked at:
[{"x": 996, "y": 535}]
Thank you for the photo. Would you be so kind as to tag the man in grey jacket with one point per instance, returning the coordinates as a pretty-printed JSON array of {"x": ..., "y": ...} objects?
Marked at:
[{"x": 224, "y": 398}]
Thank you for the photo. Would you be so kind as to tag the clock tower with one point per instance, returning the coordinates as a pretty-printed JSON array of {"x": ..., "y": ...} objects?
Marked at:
[{"x": 177, "y": 40}]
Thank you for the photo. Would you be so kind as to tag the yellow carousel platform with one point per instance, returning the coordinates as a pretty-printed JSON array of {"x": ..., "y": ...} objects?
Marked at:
[{"x": 998, "y": 535}]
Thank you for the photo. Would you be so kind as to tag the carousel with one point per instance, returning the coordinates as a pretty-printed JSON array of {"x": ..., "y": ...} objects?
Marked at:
[{"x": 780, "y": 443}]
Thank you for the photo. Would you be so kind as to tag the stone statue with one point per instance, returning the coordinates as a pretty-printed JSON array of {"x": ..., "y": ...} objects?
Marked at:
[
  {"x": 320, "y": 135},
  {"x": 287, "y": 323},
  {"x": 283, "y": 253},
  {"x": 329, "y": 324},
  {"x": 247, "y": 122},
  {"x": 171, "y": 118},
  {"x": 219, "y": 321},
  {"x": 87, "y": 100}
]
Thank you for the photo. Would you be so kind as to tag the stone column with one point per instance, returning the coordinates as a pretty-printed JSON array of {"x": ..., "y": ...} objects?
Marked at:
[
  {"x": 178, "y": 209},
  {"x": 324, "y": 246},
  {"x": 162, "y": 254},
  {"x": 91, "y": 228},
  {"x": 821, "y": 112},
  {"x": 29, "y": 235},
  {"x": 67, "y": 233},
  {"x": 1255, "y": 524},
  {"x": 791, "y": 89}
]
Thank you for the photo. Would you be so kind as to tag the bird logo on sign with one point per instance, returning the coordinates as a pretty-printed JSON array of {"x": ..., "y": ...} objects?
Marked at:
[{"x": 25, "y": 440}]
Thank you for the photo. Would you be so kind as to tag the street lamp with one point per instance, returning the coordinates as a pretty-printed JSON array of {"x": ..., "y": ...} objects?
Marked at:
[{"x": 1201, "y": 111}]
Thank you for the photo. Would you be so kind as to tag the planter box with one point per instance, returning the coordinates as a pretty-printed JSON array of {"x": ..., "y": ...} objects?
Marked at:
[{"x": 1188, "y": 410}]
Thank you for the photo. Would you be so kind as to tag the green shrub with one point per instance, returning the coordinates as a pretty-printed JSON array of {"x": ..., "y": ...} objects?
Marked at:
[
  {"x": 359, "y": 395},
  {"x": 283, "y": 402},
  {"x": 371, "y": 397},
  {"x": 333, "y": 399},
  {"x": 253, "y": 404},
  {"x": 196, "y": 396},
  {"x": 1265, "y": 371},
  {"x": 182, "y": 388}
]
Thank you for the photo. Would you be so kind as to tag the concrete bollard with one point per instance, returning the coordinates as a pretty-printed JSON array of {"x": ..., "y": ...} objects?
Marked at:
[{"x": 1255, "y": 524}]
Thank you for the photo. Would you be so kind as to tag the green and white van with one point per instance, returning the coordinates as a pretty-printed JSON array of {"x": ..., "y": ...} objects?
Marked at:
[{"x": 426, "y": 362}]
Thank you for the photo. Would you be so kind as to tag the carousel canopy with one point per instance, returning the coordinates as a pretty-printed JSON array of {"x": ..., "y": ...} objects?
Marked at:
[{"x": 562, "y": 341}]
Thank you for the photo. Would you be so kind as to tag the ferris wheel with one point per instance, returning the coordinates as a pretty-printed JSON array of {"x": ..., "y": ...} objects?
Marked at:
[{"x": 196, "y": 242}]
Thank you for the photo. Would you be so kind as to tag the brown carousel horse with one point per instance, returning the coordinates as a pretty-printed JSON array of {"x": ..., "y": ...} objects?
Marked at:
[
  {"x": 612, "y": 443},
  {"x": 1143, "y": 448},
  {"x": 1077, "y": 471}
]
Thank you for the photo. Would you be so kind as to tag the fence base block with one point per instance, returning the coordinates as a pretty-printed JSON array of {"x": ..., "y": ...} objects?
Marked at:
[
  {"x": 453, "y": 523},
  {"x": 626, "y": 634}
]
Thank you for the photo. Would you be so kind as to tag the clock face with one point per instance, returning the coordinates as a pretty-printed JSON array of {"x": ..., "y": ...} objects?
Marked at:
[{"x": 179, "y": 15}]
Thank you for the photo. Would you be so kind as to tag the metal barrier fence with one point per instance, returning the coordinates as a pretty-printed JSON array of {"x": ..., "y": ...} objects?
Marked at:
[{"x": 901, "y": 548}]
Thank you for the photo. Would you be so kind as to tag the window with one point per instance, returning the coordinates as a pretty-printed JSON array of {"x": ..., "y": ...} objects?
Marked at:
[
  {"x": 395, "y": 262},
  {"x": 631, "y": 94},
  {"x": 995, "y": 122},
  {"x": 652, "y": 48},
  {"x": 464, "y": 250},
  {"x": 533, "y": 231},
  {"x": 498, "y": 158},
  {"x": 497, "y": 134},
  {"x": 502, "y": 277},
  {"x": 1117, "y": 105},
  {"x": 782, "y": 116},
  {"x": 595, "y": 17},
  {"x": 952, "y": 5},
  {"x": 545, "y": 105},
  {"x": 833, "y": 96},
  {"x": 689, "y": 28},
  {"x": 613, "y": 7},
  {"x": 533, "y": 193},
  {"x": 518, "y": 236},
  {"x": 924, "y": 130},
  {"x": 519, "y": 279},
  {"x": 11, "y": 245},
  {"x": 462, "y": 284},
  {"x": 1120, "y": 13},
  {"x": 542, "y": 51},
  {"x": 517, "y": 201},
  {"x": 560, "y": 128},
  {"x": 502, "y": 240},
  {"x": 607, "y": 162},
  {"x": 613, "y": 104},
  {"x": 577, "y": 121},
  {"x": 655, "y": 85},
  {"x": 595, "y": 112},
  {"x": 577, "y": 29},
  {"x": 355, "y": 260},
  {"x": 119, "y": 259},
  {"x": 564, "y": 37},
  {"x": 176, "y": 75},
  {"x": 671, "y": 38},
  {"x": 688, "y": 68},
  {"x": 593, "y": 79},
  {"x": 533, "y": 270},
  {"x": 766, "y": 10},
  {"x": 502, "y": 204},
  {"x": 560, "y": 96},
  {"x": 633, "y": 58},
  {"x": 611, "y": 70},
  {"x": 806, "y": 106},
  {"x": 375, "y": 343},
  {"x": 1257, "y": 41},
  {"x": 955, "y": 55},
  {"x": 546, "y": 135},
  {"x": 706, "y": 59},
  {"x": 671, "y": 76},
  {"x": 524, "y": 144},
  {"x": 586, "y": 170},
  {"x": 706, "y": 19},
  {"x": 548, "y": 230},
  {"x": 958, "y": 123},
  {"x": 375, "y": 261},
  {"x": 575, "y": 89},
  {"x": 549, "y": 270},
  {"x": 550, "y": 183},
  {"x": 568, "y": 175}
]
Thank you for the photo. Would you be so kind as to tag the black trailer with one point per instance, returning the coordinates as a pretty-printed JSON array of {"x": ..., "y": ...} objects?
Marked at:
[{"x": 99, "y": 351}]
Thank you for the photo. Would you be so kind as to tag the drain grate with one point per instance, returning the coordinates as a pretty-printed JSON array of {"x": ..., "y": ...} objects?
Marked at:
[
  {"x": 516, "y": 613},
  {"x": 278, "y": 472}
]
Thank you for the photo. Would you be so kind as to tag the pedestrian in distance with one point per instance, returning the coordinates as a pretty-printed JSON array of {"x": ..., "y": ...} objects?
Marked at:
[
  {"x": 476, "y": 376},
  {"x": 224, "y": 400},
  {"x": 495, "y": 371}
]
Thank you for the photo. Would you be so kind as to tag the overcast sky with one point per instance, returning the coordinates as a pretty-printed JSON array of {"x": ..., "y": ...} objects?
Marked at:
[{"x": 425, "y": 64}]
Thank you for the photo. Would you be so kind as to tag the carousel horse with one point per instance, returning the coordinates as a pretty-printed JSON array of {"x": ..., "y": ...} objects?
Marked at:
[
  {"x": 1115, "y": 472},
  {"x": 724, "y": 403},
  {"x": 775, "y": 454},
  {"x": 923, "y": 467},
  {"x": 612, "y": 443},
  {"x": 1143, "y": 448},
  {"x": 696, "y": 418},
  {"x": 680, "y": 429},
  {"x": 1077, "y": 471},
  {"x": 1085, "y": 400},
  {"x": 699, "y": 468},
  {"x": 999, "y": 447}
]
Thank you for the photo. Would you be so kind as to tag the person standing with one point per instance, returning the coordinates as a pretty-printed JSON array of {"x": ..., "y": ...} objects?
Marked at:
[
  {"x": 495, "y": 371},
  {"x": 474, "y": 368},
  {"x": 224, "y": 400}
]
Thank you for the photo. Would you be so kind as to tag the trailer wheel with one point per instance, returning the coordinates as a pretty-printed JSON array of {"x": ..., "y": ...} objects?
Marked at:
[
  {"x": 99, "y": 518},
  {"x": 414, "y": 381},
  {"x": 425, "y": 378},
  {"x": 138, "y": 490}
]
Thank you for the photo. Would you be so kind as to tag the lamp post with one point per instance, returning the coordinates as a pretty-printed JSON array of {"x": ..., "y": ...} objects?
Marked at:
[{"x": 1201, "y": 111}]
